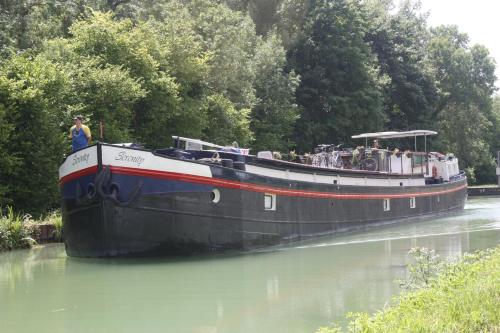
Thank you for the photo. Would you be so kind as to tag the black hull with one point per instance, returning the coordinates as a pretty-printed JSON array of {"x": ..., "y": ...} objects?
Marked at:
[
  {"x": 175, "y": 223},
  {"x": 124, "y": 202}
]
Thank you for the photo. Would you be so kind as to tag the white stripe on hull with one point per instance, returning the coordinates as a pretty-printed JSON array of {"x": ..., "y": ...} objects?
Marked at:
[
  {"x": 131, "y": 158},
  {"x": 79, "y": 160},
  {"x": 341, "y": 180}
]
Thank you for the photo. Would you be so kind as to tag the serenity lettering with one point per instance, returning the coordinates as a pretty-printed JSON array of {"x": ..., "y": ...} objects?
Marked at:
[
  {"x": 122, "y": 156},
  {"x": 77, "y": 159}
]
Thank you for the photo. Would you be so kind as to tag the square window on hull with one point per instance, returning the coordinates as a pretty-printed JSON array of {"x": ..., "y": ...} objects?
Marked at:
[
  {"x": 269, "y": 201},
  {"x": 387, "y": 205},
  {"x": 413, "y": 202}
]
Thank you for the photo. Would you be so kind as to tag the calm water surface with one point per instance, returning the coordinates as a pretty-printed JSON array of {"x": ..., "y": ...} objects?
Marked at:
[{"x": 288, "y": 289}]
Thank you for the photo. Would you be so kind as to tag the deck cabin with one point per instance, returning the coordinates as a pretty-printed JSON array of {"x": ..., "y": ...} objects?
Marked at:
[
  {"x": 433, "y": 166},
  {"x": 430, "y": 164}
]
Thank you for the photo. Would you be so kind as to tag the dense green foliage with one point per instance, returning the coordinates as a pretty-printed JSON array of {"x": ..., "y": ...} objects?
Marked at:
[
  {"x": 22, "y": 231},
  {"x": 15, "y": 231},
  {"x": 462, "y": 298},
  {"x": 339, "y": 80},
  {"x": 270, "y": 74},
  {"x": 399, "y": 42}
]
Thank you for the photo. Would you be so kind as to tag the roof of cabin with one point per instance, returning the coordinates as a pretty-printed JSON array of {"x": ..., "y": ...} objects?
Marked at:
[{"x": 392, "y": 134}]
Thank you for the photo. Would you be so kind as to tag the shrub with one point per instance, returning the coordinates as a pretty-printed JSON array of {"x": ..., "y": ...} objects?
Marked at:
[
  {"x": 463, "y": 297},
  {"x": 54, "y": 219},
  {"x": 424, "y": 270},
  {"x": 16, "y": 231}
]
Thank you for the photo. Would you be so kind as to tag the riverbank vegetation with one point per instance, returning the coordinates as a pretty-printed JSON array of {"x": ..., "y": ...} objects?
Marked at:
[
  {"x": 16, "y": 231},
  {"x": 21, "y": 231},
  {"x": 270, "y": 74},
  {"x": 462, "y": 296}
]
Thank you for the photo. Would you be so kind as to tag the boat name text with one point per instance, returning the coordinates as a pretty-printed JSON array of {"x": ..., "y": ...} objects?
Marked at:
[
  {"x": 122, "y": 156},
  {"x": 77, "y": 159}
]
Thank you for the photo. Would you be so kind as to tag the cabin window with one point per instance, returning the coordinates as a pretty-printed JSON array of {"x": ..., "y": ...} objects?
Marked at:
[
  {"x": 413, "y": 202},
  {"x": 269, "y": 201},
  {"x": 387, "y": 205}
]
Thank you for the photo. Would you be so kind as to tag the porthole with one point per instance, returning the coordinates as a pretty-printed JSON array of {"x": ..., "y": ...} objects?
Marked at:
[{"x": 215, "y": 195}]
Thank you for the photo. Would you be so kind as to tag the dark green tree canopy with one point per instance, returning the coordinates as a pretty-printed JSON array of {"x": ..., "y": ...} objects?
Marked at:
[
  {"x": 339, "y": 76},
  {"x": 400, "y": 43}
]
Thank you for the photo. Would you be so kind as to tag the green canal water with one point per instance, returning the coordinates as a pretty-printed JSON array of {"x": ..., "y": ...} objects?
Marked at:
[{"x": 289, "y": 289}]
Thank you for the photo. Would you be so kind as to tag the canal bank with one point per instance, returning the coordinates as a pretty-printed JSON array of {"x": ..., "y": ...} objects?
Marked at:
[
  {"x": 22, "y": 231},
  {"x": 483, "y": 191},
  {"x": 462, "y": 296},
  {"x": 486, "y": 190},
  {"x": 289, "y": 289}
]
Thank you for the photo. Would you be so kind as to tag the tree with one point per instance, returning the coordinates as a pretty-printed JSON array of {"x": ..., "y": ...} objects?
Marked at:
[
  {"x": 340, "y": 91},
  {"x": 223, "y": 123},
  {"x": 292, "y": 16},
  {"x": 144, "y": 100},
  {"x": 462, "y": 128},
  {"x": 26, "y": 24},
  {"x": 150, "y": 80},
  {"x": 9, "y": 161},
  {"x": 35, "y": 144},
  {"x": 275, "y": 115},
  {"x": 495, "y": 143},
  {"x": 230, "y": 39},
  {"x": 262, "y": 12},
  {"x": 466, "y": 81},
  {"x": 400, "y": 42}
]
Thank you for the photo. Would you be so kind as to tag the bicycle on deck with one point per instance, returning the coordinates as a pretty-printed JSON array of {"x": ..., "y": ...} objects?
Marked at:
[{"x": 327, "y": 156}]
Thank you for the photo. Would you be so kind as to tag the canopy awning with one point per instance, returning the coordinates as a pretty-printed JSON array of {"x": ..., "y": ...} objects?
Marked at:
[{"x": 391, "y": 135}]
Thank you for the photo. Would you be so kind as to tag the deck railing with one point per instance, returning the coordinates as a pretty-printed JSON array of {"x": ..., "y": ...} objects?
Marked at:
[{"x": 384, "y": 160}]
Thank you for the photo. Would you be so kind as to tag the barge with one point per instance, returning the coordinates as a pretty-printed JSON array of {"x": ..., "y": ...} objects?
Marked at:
[{"x": 120, "y": 200}]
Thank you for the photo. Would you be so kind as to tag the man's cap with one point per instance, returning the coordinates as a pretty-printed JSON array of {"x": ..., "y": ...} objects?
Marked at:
[{"x": 79, "y": 117}]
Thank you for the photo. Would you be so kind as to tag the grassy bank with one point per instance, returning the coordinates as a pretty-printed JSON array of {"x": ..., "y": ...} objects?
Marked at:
[
  {"x": 21, "y": 231},
  {"x": 463, "y": 297}
]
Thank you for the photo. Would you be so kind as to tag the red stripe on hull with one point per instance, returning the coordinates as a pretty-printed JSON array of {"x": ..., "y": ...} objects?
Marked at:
[
  {"x": 267, "y": 189},
  {"x": 78, "y": 174}
]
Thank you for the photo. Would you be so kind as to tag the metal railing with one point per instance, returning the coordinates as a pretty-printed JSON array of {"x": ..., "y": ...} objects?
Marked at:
[{"x": 383, "y": 160}]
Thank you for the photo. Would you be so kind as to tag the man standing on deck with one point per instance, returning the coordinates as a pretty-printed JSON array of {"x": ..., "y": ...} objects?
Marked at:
[{"x": 79, "y": 134}]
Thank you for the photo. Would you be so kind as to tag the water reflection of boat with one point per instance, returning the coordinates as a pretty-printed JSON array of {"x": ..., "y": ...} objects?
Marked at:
[{"x": 121, "y": 200}]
